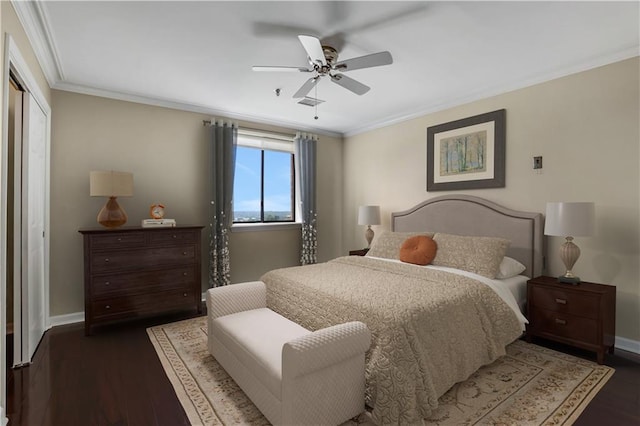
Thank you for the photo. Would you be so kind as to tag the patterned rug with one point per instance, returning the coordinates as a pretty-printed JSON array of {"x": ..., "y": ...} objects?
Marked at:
[{"x": 530, "y": 385}]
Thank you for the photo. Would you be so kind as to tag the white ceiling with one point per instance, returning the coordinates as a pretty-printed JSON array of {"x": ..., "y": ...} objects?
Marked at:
[{"x": 198, "y": 55}]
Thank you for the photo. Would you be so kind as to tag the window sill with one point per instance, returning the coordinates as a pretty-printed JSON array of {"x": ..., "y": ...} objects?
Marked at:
[{"x": 256, "y": 227}]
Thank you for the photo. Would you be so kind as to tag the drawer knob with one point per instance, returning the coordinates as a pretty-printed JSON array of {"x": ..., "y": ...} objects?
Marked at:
[
  {"x": 184, "y": 252},
  {"x": 184, "y": 294},
  {"x": 561, "y": 301},
  {"x": 184, "y": 274},
  {"x": 560, "y": 321},
  {"x": 107, "y": 283},
  {"x": 106, "y": 260},
  {"x": 108, "y": 307},
  {"x": 175, "y": 236},
  {"x": 119, "y": 239}
]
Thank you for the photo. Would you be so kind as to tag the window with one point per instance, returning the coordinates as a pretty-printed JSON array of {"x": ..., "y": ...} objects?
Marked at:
[{"x": 264, "y": 188}]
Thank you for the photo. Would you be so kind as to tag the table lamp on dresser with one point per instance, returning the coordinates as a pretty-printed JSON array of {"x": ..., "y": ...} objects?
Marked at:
[{"x": 111, "y": 184}]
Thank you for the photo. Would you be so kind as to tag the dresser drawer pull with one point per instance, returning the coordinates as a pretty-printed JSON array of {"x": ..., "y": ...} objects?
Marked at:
[
  {"x": 107, "y": 283},
  {"x": 106, "y": 260},
  {"x": 184, "y": 274},
  {"x": 184, "y": 253},
  {"x": 560, "y": 321},
  {"x": 561, "y": 301},
  {"x": 119, "y": 239},
  {"x": 175, "y": 236},
  {"x": 108, "y": 307},
  {"x": 184, "y": 294}
]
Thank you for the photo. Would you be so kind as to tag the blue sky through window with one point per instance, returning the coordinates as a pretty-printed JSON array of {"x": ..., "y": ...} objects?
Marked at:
[{"x": 277, "y": 185}]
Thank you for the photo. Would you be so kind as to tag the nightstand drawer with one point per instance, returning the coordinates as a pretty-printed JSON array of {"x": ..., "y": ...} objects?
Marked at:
[
  {"x": 567, "y": 302},
  {"x": 568, "y": 326}
]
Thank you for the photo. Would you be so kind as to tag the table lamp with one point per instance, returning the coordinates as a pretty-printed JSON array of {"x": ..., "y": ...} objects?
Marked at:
[
  {"x": 369, "y": 215},
  {"x": 111, "y": 184},
  {"x": 569, "y": 220}
]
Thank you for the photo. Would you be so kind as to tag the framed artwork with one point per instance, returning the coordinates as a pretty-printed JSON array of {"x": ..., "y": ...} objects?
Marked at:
[{"x": 467, "y": 153}]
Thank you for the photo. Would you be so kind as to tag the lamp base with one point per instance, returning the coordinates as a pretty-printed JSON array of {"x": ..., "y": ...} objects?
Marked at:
[
  {"x": 569, "y": 280},
  {"x": 112, "y": 215},
  {"x": 368, "y": 235}
]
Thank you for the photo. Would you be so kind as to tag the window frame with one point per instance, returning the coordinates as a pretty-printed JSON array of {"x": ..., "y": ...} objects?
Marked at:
[{"x": 264, "y": 141}]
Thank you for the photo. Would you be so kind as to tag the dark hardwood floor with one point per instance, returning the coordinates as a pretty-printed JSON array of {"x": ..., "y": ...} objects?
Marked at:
[{"x": 115, "y": 378}]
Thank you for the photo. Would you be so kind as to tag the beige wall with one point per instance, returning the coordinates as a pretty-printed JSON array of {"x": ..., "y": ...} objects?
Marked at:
[
  {"x": 11, "y": 25},
  {"x": 166, "y": 150},
  {"x": 586, "y": 127}
]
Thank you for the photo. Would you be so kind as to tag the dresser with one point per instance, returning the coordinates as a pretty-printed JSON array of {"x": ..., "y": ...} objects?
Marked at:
[
  {"x": 132, "y": 272},
  {"x": 581, "y": 315}
]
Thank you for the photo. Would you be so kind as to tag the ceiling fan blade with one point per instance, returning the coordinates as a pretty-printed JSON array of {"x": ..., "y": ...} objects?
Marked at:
[
  {"x": 350, "y": 84},
  {"x": 314, "y": 49},
  {"x": 306, "y": 87},
  {"x": 367, "y": 61},
  {"x": 283, "y": 69}
]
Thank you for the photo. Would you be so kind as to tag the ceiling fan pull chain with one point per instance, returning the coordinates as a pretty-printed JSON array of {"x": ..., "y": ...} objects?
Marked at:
[{"x": 316, "y": 106}]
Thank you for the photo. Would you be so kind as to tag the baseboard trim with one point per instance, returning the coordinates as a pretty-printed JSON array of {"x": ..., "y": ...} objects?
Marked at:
[
  {"x": 66, "y": 319},
  {"x": 620, "y": 343},
  {"x": 627, "y": 345}
]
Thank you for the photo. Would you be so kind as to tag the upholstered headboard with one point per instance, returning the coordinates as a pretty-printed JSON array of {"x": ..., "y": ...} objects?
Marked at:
[{"x": 475, "y": 216}]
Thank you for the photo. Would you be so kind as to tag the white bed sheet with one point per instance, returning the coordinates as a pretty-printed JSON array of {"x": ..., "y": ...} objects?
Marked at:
[{"x": 512, "y": 290}]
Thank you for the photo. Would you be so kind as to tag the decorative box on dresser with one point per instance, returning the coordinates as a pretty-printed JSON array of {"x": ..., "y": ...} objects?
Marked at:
[
  {"x": 582, "y": 315},
  {"x": 133, "y": 272}
]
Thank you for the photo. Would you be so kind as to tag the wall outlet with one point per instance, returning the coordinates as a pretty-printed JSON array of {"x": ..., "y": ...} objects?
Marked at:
[{"x": 537, "y": 162}]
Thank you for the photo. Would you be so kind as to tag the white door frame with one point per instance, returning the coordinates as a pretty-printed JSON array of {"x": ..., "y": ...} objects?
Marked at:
[{"x": 14, "y": 61}]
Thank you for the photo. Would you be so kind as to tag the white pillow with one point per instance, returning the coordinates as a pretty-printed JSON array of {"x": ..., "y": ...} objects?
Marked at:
[{"x": 509, "y": 268}]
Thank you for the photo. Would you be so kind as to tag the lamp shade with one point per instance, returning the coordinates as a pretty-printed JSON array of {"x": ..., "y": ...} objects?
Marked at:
[
  {"x": 369, "y": 215},
  {"x": 570, "y": 219},
  {"x": 110, "y": 184}
]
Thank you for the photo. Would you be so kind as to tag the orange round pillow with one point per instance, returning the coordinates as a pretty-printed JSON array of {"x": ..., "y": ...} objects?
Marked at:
[{"x": 419, "y": 250}]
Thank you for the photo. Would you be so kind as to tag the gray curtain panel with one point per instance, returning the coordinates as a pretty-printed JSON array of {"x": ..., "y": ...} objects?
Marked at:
[
  {"x": 305, "y": 162},
  {"x": 222, "y": 164}
]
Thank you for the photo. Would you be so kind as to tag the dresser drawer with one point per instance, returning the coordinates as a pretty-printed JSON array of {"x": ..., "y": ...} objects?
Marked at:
[
  {"x": 170, "y": 236},
  {"x": 129, "y": 283},
  {"x": 142, "y": 304},
  {"x": 138, "y": 259},
  {"x": 568, "y": 326},
  {"x": 118, "y": 240},
  {"x": 568, "y": 302}
]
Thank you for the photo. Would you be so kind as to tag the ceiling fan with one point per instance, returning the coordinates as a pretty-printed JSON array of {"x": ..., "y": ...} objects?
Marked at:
[{"x": 323, "y": 61}]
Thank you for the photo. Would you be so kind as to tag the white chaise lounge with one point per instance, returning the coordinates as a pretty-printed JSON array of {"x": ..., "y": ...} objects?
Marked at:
[{"x": 294, "y": 376}]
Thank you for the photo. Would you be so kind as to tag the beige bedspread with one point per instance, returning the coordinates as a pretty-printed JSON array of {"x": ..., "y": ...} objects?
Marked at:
[{"x": 431, "y": 329}]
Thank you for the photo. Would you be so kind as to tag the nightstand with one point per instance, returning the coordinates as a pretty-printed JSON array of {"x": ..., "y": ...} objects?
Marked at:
[
  {"x": 582, "y": 315},
  {"x": 360, "y": 252}
]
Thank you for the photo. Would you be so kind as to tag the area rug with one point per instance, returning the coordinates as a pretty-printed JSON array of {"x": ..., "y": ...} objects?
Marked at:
[{"x": 531, "y": 385}]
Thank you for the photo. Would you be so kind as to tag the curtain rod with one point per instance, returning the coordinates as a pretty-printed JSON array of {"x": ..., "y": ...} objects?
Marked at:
[{"x": 249, "y": 129}]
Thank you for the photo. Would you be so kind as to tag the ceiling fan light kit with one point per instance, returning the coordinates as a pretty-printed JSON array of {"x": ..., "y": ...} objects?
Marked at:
[{"x": 323, "y": 60}]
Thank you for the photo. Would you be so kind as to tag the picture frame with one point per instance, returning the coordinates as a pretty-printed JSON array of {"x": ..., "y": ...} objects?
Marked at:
[{"x": 468, "y": 153}]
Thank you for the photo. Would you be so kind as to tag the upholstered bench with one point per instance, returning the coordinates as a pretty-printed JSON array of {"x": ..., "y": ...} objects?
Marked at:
[{"x": 294, "y": 376}]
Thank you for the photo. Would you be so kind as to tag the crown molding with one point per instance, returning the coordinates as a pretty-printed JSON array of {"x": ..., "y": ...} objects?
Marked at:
[
  {"x": 33, "y": 18},
  {"x": 201, "y": 109},
  {"x": 444, "y": 104}
]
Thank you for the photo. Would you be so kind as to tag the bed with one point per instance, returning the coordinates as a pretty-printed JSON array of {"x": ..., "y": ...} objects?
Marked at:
[{"x": 432, "y": 326}]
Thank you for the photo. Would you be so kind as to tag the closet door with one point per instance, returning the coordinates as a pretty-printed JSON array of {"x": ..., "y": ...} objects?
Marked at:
[{"x": 34, "y": 170}]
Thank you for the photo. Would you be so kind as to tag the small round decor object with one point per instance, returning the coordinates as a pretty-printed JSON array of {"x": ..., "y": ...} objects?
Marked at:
[
  {"x": 157, "y": 211},
  {"x": 419, "y": 250}
]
